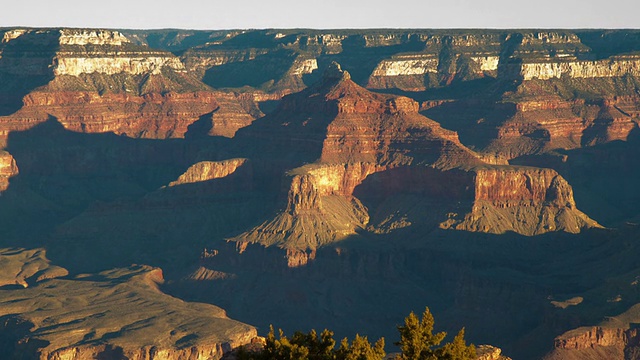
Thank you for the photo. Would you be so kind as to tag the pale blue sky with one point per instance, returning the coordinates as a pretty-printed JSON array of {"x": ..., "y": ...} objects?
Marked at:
[{"x": 324, "y": 14}]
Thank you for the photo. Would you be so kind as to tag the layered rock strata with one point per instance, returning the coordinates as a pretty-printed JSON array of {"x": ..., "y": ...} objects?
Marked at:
[{"x": 365, "y": 146}]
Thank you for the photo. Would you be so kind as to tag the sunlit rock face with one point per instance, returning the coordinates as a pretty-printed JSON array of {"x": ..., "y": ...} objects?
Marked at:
[
  {"x": 92, "y": 37},
  {"x": 209, "y": 170},
  {"x": 544, "y": 70},
  {"x": 8, "y": 169},
  {"x": 67, "y": 65}
]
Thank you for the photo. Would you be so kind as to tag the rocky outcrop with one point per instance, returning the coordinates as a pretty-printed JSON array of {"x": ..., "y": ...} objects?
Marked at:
[
  {"x": 149, "y": 116},
  {"x": 215, "y": 177},
  {"x": 117, "y": 313},
  {"x": 488, "y": 352},
  {"x": 616, "y": 337},
  {"x": 311, "y": 219},
  {"x": 8, "y": 169},
  {"x": 407, "y": 66},
  {"x": 92, "y": 37},
  {"x": 75, "y": 64},
  {"x": 12, "y": 34},
  {"x": 209, "y": 170},
  {"x": 591, "y": 337},
  {"x": 98, "y": 81},
  {"x": 594, "y": 343},
  {"x": 233, "y": 113}
]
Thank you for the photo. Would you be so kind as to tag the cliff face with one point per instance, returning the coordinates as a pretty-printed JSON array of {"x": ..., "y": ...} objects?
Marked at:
[
  {"x": 545, "y": 63},
  {"x": 148, "y": 116},
  {"x": 595, "y": 343},
  {"x": 209, "y": 170}
]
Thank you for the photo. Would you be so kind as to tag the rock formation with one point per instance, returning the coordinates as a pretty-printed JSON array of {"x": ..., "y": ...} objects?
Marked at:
[
  {"x": 365, "y": 136},
  {"x": 116, "y": 313},
  {"x": 98, "y": 81}
]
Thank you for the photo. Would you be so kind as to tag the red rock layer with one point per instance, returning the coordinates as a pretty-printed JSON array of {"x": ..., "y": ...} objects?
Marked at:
[
  {"x": 510, "y": 185},
  {"x": 148, "y": 116},
  {"x": 595, "y": 343},
  {"x": 231, "y": 115}
]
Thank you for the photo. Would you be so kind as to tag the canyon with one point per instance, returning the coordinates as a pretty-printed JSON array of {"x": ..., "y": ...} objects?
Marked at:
[{"x": 317, "y": 179}]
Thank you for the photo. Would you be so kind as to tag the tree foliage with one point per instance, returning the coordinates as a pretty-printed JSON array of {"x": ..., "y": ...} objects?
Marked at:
[
  {"x": 360, "y": 349},
  {"x": 417, "y": 342},
  {"x": 311, "y": 346}
]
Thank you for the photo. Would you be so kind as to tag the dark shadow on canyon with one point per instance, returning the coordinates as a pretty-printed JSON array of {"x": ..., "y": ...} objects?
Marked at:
[
  {"x": 263, "y": 70},
  {"x": 27, "y": 64},
  {"x": 96, "y": 201},
  {"x": 366, "y": 284}
]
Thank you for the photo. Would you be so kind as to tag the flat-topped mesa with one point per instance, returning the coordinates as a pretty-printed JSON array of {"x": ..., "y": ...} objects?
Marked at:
[
  {"x": 314, "y": 217},
  {"x": 322, "y": 209}
]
